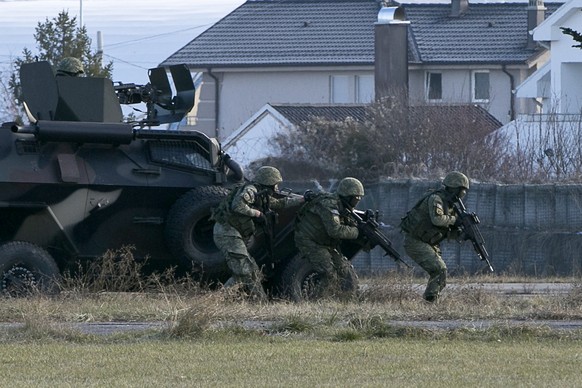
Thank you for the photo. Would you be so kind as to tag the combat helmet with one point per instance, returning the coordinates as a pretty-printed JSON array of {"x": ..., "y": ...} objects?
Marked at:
[
  {"x": 268, "y": 176},
  {"x": 70, "y": 66},
  {"x": 456, "y": 179},
  {"x": 350, "y": 187}
]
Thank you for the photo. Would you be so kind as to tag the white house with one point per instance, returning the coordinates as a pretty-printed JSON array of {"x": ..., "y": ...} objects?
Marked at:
[
  {"x": 557, "y": 86},
  {"x": 556, "y": 129},
  {"x": 253, "y": 139},
  {"x": 323, "y": 52}
]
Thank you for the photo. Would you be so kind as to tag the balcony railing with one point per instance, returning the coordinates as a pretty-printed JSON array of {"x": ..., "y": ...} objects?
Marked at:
[{"x": 550, "y": 117}]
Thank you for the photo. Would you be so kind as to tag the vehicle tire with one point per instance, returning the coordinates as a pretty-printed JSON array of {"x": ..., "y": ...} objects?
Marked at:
[
  {"x": 27, "y": 269},
  {"x": 300, "y": 282},
  {"x": 189, "y": 231}
]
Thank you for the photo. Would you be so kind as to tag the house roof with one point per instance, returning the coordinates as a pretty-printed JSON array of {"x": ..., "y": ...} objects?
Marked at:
[
  {"x": 253, "y": 139},
  {"x": 547, "y": 31},
  {"x": 341, "y": 32},
  {"x": 297, "y": 114},
  {"x": 466, "y": 113}
]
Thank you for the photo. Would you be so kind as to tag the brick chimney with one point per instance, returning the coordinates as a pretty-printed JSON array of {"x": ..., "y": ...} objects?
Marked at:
[
  {"x": 459, "y": 7},
  {"x": 391, "y": 53},
  {"x": 535, "y": 15}
]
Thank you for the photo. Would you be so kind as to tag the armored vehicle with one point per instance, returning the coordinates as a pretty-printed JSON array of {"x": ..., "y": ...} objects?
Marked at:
[{"x": 79, "y": 181}]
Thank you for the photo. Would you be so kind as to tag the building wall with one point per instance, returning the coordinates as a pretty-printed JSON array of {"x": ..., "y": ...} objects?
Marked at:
[
  {"x": 256, "y": 142},
  {"x": 566, "y": 69},
  {"x": 565, "y": 66},
  {"x": 243, "y": 93},
  {"x": 457, "y": 89}
]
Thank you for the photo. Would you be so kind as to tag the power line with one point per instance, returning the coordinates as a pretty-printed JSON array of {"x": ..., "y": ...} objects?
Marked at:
[
  {"x": 154, "y": 36},
  {"x": 124, "y": 61}
]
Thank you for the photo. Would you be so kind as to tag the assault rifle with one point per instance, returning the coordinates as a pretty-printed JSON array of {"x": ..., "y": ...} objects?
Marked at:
[
  {"x": 370, "y": 228},
  {"x": 469, "y": 222},
  {"x": 271, "y": 219}
]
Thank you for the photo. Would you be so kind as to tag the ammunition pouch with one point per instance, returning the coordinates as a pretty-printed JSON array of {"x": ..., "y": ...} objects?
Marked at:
[
  {"x": 430, "y": 237},
  {"x": 421, "y": 230},
  {"x": 244, "y": 225}
]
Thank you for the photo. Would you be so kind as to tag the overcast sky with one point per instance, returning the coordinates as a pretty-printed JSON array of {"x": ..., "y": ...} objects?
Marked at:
[{"x": 137, "y": 34}]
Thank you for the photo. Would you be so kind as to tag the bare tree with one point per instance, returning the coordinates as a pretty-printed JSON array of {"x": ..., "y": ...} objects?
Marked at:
[{"x": 399, "y": 141}]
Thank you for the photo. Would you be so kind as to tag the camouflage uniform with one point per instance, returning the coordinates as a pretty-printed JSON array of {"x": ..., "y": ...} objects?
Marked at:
[
  {"x": 430, "y": 221},
  {"x": 235, "y": 219},
  {"x": 320, "y": 226},
  {"x": 70, "y": 66}
]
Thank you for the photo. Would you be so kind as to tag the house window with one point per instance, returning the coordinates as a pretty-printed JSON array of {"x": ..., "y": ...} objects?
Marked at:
[
  {"x": 349, "y": 89},
  {"x": 342, "y": 91},
  {"x": 480, "y": 86},
  {"x": 434, "y": 86},
  {"x": 365, "y": 88}
]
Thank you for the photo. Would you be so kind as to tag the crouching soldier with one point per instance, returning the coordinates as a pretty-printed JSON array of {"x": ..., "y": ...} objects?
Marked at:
[
  {"x": 235, "y": 223},
  {"x": 321, "y": 224}
]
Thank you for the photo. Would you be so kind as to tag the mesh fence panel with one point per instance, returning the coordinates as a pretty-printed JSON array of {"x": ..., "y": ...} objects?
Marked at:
[{"x": 528, "y": 229}]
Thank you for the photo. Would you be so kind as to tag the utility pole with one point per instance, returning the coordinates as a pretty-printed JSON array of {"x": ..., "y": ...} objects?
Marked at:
[{"x": 80, "y": 13}]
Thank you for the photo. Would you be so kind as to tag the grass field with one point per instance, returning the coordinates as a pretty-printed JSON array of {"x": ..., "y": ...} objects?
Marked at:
[
  {"x": 254, "y": 361},
  {"x": 215, "y": 338}
]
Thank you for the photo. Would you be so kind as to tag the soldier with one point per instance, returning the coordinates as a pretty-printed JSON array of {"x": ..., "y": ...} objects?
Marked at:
[
  {"x": 70, "y": 67},
  {"x": 235, "y": 219},
  {"x": 428, "y": 223},
  {"x": 321, "y": 224}
]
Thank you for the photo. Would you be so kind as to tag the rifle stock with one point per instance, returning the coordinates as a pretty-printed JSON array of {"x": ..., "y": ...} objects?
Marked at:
[
  {"x": 370, "y": 228},
  {"x": 469, "y": 222}
]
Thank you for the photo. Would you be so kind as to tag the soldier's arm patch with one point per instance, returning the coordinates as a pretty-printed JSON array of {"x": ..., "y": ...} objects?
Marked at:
[
  {"x": 438, "y": 209},
  {"x": 249, "y": 196}
]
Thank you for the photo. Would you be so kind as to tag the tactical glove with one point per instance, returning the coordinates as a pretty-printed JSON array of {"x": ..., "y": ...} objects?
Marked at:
[
  {"x": 261, "y": 220},
  {"x": 308, "y": 195},
  {"x": 458, "y": 222}
]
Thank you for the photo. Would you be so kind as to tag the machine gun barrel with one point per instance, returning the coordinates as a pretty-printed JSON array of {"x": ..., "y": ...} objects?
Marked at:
[{"x": 131, "y": 93}]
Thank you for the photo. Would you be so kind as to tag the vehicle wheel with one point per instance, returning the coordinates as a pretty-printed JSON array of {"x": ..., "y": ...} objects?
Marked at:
[
  {"x": 189, "y": 231},
  {"x": 301, "y": 282},
  {"x": 27, "y": 269}
]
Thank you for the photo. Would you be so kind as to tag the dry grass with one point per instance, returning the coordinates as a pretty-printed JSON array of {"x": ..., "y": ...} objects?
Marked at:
[
  {"x": 215, "y": 338},
  {"x": 200, "y": 313},
  {"x": 114, "y": 290}
]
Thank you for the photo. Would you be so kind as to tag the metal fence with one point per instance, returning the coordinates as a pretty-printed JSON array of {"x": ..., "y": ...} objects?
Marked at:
[{"x": 528, "y": 229}]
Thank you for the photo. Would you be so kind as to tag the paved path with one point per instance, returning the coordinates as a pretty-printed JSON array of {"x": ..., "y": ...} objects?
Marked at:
[
  {"x": 518, "y": 288},
  {"x": 108, "y": 328}
]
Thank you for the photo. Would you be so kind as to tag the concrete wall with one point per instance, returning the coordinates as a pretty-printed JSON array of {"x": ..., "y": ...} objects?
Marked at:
[{"x": 528, "y": 229}]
